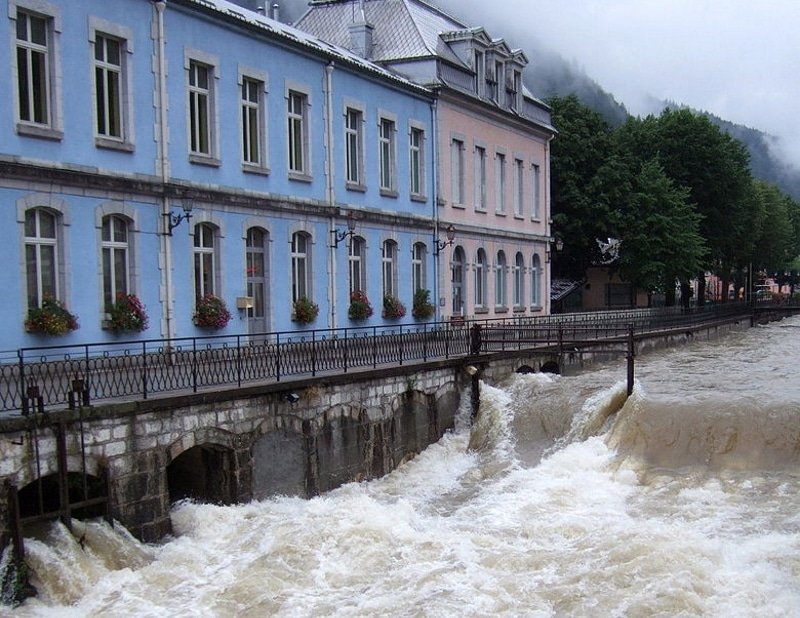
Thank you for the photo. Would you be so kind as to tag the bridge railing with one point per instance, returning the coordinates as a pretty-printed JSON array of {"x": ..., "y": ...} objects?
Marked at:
[{"x": 43, "y": 377}]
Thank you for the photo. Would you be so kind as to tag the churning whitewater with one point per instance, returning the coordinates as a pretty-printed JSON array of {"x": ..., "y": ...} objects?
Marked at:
[{"x": 563, "y": 499}]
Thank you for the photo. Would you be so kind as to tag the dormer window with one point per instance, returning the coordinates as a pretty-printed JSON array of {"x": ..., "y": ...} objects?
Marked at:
[
  {"x": 500, "y": 80},
  {"x": 480, "y": 73}
]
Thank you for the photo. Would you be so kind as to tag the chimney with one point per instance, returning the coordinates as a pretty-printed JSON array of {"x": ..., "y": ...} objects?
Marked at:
[
  {"x": 361, "y": 34},
  {"x": 276, "y": 12}
]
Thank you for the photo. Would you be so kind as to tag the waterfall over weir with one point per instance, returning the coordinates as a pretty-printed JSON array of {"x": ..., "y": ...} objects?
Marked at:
[{"x": 563, "y": 499}]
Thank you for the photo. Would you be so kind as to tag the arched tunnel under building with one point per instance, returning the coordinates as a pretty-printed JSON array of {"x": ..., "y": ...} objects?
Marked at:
[{"x": 204, "y": 473}]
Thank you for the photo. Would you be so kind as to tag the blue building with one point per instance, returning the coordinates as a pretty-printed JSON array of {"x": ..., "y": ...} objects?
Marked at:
[{"x": 181, "y": 150}]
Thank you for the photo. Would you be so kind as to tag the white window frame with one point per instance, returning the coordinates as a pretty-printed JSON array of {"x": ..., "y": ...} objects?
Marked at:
[
  {"x": 416, "y": 161},
  {"x": 354, "y": 146},
  {"x": 389, "y": 251},
  {"x": 536, "y": 281},
  {"x": 457, "y": 170},
  {"x": 500, "y": 283},
  {"x": 480, "y": 177},
  {"x": 112, "y": 247},
  {"x": 195, "y": 60},
  {"x": 298, "y": 109},
  {"x": 357, "y": 264},
  {"x": 50, "y": 127},
  {"x": 519, "y": 187},
  {"x": 253, "y": 82},
  {"x": 39, "y": 243},
  {"x": 205, "y": 259},
  {"x": 481, "y": 279},
  {"x": 419, "y": 253},
  {"x": 300, "y": 262},
  {"x": 387, "y": 154},
  {"x": 519, "y": 281},
  {"x": 536, "y": 192},
  {"x": 100, "y": 29},
  {"x": 500, "y": 188}
]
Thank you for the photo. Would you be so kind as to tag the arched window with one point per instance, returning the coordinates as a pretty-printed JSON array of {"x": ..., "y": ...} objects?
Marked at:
[
  {"x": 457, "y": 280},
  {"x": 418, "y": 258},
  {"x": 205, "y": 260},
  {"x": 114, "y": 239},
  {"x": 41, "y": 255},
  {"x": 256, "y": 256},
  {"x": 301, "y": 266},
  {"x": 481, "y": 267},
  {"x": 357, "y": 260},
  {"x": 500, "y": 280},
  {"x": 536, "y": 282},
  {"x": 389, "y": 270},
  {"x": 519, "y": 280}
]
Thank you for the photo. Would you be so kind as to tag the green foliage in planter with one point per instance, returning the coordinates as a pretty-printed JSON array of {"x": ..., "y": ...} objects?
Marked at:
[
  {"x": 52, "y": 318},
  {"x": 127, "y": 314},
  {"x": 422, "y": 309},
  {"x": 393, "y": 308},
  {"x": 360, "y": 308},
  {"x": 304, "y": 311},
  {"x": 211, "y": 312}
]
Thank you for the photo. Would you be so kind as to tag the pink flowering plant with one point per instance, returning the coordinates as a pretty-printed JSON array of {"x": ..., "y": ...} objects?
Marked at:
[
  {"x": 393, "y": 309},
  {"x": 52, "y": 318},
  {"x": 360, "y": 308},
  {"x": 127, "y": 314},
  {"x": 211, "y": 312}
]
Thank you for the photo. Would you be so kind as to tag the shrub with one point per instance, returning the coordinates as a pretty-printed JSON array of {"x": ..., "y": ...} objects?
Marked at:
[
  {"x": 52, "y": 318},
  {"x": 304, "y": 311},
  {"x": 211, "y": 312},
  {"x": 360, "y": 308},
  {"x": 422, "y": 309},
  {"x": 393, "y": 308},
  {"x": 127, "y": 314}
]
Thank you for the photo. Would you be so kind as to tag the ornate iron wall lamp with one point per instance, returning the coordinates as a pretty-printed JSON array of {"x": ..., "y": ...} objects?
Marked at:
[
  {"x": 174, "y": 220},
  {"x": 450, "y": 233},
  {"x": 340, "y": 236}
]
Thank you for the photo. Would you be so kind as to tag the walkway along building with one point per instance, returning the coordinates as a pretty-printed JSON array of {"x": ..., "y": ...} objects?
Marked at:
[
  {"x": 173, "y": 150},
  {"x": 493, "y": 152}
]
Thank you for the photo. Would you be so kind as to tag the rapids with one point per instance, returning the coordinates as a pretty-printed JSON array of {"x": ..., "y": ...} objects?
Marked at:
[{"x": 563, "y": 499}]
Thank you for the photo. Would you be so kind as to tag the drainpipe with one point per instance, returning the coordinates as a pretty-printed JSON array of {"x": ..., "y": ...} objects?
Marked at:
[
  {"x": 435, "y": 213},
  {"x": 162, "y": 169},
  {"x": 330, "y": 194},
  {"x": 549, "y": 231}
]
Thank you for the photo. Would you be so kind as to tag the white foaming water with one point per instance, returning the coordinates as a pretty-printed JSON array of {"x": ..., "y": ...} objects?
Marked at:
[{"x": 683, "y": 502}]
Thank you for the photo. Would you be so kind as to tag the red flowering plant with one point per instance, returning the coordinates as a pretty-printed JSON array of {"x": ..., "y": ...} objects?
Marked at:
[
  {"x": 127, "y": 314},
  {"x": 211, "y": 312},
  {"x": 52, "y": 318},
  {"x": 360, "y": 308},
  {"x": 393, "y": 309},
  {"x": 304, "y": 310}
]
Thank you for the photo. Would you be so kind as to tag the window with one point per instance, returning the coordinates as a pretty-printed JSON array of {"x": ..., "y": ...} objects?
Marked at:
[
  {"x": 519, "y": 281},
  {"x": 205, "y": 260},
  {"x": 457, "y": 280},
  {"x": 108, "y": 86},
  {"x": 301, "y": 263},
  {"x": 457, "y": 170},
  {"x": 500, "y": 80},
  {"x": 500, "y": 182},
  {"x": 535, "y": 191},
  {"x": 515, "y": 95},
  {"x": 253, "y": 133},
  {"x": 200, "y": 109},
  {"x": 297, "y": 115},
  {"x": 354, "y": 160},
  {"x": 256, "y": 257},
  {"x": 519, "y": 187},
  {"x": 356, "y": 259},
  {"x": 386, "y": 154},
  {"x": 416, "y": 161},
  {"x": 389, "y": 270},
  {"x": 481, "y": 267},
  {"x": 500, "y": 280},
  {"x": 480, "y": 178},
  {"x": 418, "y": 255},
  {"x": 36, "y": 81},
  {"x": 116, "y": 256},
  {"x": 41, "y": 255},
  {"x": 480, "y": 73},
  {"x": 536, "y": 282}
]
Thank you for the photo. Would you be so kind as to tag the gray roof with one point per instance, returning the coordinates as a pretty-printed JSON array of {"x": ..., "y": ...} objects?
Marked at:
[
  {"x": 404, "y": 29},
  {"x": 294, "y": 36}
]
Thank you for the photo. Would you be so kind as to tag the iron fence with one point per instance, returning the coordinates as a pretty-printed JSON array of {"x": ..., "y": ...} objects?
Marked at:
[{"x": 43, "y": 377}]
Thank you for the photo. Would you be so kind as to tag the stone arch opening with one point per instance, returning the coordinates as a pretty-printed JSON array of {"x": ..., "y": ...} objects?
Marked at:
[
  {"x": 42, "y": 498},
  {"x": 525, "y": 369},
  {"x": 551, "y": 367},
  {"x": 204, "y": 473}
]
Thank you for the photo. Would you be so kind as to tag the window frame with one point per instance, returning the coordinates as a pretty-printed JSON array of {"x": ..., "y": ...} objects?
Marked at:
[
  {"x": 38, "y": 242},
  {"x": 113, "y": 247},
  {"x": 300, "y": 262},
  {"x": 500, "y": 282},
  {"x": 536, "y": 189},
  {"x": 519, "y": 187},
  {"x": 519, "y": 282},
  {"x": 536, "y": 282},
  {"x": 195, "y": 59},
  {"x": 416, "y": 161},
  {"x": 480, "y": 176},
  {"x": 357, "y": 264},
  {"x": 102, "y": 29},
  {"x": 500, "y": 182},
  {"x": 481, "y": 281},
  {"x": 208, "y": 272},
  {"x": 253, "y": 111},
  {"x": 457, "y": 172},
  {"x": 52, "y": 127},
  {"x": 387, "y": 154},
  {"x": 297, "y": 122},
  {"x": 389, "y": 278},
  {"x": 354, "y": 119}
]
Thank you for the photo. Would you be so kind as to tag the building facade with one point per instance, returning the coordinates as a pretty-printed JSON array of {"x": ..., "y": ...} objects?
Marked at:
[
  {"x": 492, "y": 151},
  {"x": 178, "y": 150}
]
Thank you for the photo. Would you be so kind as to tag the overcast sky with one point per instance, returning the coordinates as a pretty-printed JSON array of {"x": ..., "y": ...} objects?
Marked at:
[{"x": 737, "y": 59}]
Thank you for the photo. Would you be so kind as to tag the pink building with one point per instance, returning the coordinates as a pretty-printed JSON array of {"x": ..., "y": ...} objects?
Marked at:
[{"x": 492, "y": 149}]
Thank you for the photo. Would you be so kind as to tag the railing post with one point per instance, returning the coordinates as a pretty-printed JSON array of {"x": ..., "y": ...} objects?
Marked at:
[
  {"x": 194, "y": 364},
  {"x": 278, "y": 357},
  {"x": 313, "y": 352},
  {"x": 238, "y": 360},
  {"x": 400, "y": 344},
  {"x": 144, "y": 370},
  {"x": 374, "y": 348},
  {"x": 345, "y": 351},
  {"x": 22, "y": 386},
  {"x": 630, "y": 357},
  {"x": 425, "y": 341}
]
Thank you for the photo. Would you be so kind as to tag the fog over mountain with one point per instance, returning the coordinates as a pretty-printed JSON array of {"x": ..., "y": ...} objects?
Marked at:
[{"x": 705, "y": 55}]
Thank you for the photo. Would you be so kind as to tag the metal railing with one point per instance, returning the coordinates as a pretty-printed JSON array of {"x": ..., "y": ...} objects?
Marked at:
[{"x": 36, "y": 378}]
